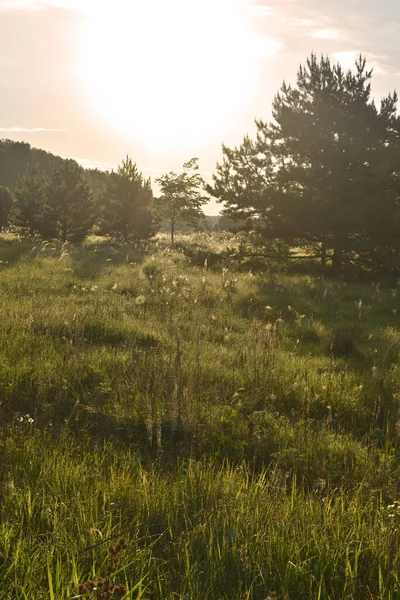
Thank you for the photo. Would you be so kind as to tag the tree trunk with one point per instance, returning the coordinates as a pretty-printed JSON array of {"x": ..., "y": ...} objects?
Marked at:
[
  {"x": 64, "y": 231},
  {"x": 173, "y": 227},
  {"x": 323, "y": 253},
  {"x": 337, "y": 261}
]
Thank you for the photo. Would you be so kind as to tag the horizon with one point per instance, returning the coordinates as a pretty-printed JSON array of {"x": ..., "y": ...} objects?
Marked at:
[{"x": 167, "y": 96}]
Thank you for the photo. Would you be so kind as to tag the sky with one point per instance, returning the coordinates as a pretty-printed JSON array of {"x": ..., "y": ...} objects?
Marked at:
[{"x": 168, "y": 80}]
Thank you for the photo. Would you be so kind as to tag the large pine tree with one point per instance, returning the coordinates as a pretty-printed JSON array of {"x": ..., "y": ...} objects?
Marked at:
[{"x": 324, "y": 171}]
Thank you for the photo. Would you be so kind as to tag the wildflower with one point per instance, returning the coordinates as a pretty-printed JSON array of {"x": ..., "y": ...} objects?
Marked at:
[
  {"x": 114, "y": 287},
  {"x": 139, "y": 300}
]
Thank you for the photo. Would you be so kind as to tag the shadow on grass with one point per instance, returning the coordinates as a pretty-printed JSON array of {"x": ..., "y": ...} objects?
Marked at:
[
  {"x": 97, "y": 334},
  {"x": 14, "y": 249},
  {"x": 328, "y": 318}
]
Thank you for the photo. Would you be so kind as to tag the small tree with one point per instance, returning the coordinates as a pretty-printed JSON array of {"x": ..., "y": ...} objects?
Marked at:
[
  {"x": 126, "y": 203},
  {"x": 30, "y": 200},
  {"x": 71, "y": 208},
  {"x": 181, "y": 199},
  {"x": 6, "y": 205}
]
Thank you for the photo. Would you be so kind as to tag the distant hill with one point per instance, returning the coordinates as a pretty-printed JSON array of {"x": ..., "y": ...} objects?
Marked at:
[{"x": 15, "y": 156}]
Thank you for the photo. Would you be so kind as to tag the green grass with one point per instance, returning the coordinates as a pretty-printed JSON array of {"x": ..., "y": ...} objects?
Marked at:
[{"x": 241, "y": 429}]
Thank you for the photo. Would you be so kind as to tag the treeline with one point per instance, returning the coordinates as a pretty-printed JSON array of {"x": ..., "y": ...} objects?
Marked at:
[
  {"x": 324, "y": 174},
  {"x": 57, "y": 198},
  {"x": 45, "y": 195}
]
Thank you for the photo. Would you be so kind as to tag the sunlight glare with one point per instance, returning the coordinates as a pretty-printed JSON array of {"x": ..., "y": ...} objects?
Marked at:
[{"x": 172, "y": 74}]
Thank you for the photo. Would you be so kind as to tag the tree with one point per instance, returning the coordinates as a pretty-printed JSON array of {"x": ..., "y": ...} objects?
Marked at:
[
  {"x": 71, "y": 210},
  {"x": 6, "y": 205},
  {"x": 324, "y": 171},
  {"x": 14, "y": 160},
  {"x": 30, "y": 200},
  {"x": 181, "y": 199},
  {"x": 126, "y": 203},
  {"x": 224, "y": 223}
]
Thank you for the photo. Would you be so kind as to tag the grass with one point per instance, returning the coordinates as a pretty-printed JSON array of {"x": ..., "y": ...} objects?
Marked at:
[{"x": 240, "y": 430}]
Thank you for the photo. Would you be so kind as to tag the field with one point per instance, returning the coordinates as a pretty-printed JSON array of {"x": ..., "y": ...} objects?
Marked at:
[{"x": 238, "y": 429}]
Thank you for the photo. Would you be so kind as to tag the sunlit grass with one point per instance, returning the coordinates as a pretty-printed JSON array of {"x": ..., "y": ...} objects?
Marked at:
[{"x": 241, "y": 428}]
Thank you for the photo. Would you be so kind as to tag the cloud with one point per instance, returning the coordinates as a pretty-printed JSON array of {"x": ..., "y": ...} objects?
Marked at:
[
  {"x": 325, "y": 34},
  {"x": 18, "y": 4},
  {"x": 15, "y": 5},
  {"x": 28, "y": 130},
  {"x": 261, "y": 10},
  {"x": 83, "y": 6}
]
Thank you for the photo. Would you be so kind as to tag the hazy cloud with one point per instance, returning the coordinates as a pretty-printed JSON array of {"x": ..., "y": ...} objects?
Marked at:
[
  {"x": 325, "y": 34},
  {"x": 18, "y": 4},
  {"x": 28, "y": 130}
]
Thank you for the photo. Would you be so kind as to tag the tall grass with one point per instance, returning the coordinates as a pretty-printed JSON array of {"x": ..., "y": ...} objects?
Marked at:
[{"x": 240, "y": 430}]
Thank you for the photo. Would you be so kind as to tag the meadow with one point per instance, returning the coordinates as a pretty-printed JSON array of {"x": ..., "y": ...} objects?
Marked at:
[{"x": 237, "y": 427}]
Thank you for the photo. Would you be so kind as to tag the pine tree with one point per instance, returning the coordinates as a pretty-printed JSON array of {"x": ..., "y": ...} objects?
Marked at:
[
  {"x": 71, "y": 208},
  {"x": 324, "y": 170},
  {"x": 30, "y": 200},
  {"x": 126, "y": 203},
  {"x": 6, "y": 205}
]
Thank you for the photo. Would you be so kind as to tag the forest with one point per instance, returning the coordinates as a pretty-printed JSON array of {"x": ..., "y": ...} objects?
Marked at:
[{"x": 207, "y": 414}]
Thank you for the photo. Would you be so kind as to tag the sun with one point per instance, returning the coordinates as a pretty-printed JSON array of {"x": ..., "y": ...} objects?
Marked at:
[{"x": 171, "y": 74}]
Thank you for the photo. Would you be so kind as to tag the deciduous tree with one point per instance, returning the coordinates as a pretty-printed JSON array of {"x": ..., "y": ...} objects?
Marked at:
[{"x": 181, "y": 198}]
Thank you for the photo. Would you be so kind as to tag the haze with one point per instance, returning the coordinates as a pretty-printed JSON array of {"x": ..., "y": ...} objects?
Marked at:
[{"x": 95, "y": 80}]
